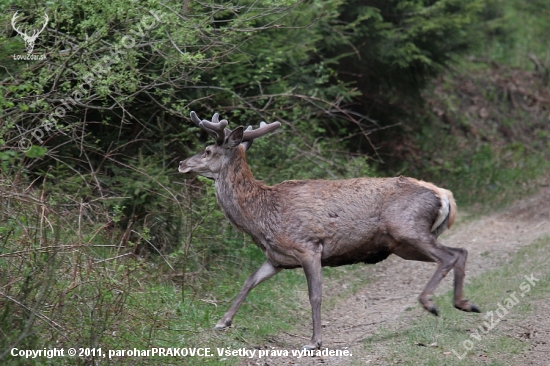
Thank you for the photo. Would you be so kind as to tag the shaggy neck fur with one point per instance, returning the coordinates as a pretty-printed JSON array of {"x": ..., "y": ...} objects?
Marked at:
[{"x": 248, "y": 203}]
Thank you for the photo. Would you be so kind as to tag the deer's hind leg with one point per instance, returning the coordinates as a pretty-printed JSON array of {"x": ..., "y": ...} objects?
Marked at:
[
  {"x": 459, "y": 273},
  {"x": 446, "y": 258}
]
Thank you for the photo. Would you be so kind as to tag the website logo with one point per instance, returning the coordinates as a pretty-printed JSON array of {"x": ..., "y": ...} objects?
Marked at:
[{"x": 29, "y": 39}]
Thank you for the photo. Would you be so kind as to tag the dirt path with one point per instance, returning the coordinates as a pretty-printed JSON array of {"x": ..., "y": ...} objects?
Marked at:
[{"x": 397, "y": 283}]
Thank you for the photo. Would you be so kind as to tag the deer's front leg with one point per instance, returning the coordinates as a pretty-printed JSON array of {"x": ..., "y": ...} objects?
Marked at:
[
  {"x": 266, "y": 271},
  {"x": 312, "y": 268}
]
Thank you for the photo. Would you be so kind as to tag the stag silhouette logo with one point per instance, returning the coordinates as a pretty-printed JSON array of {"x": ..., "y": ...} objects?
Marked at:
[{"x": 29, "y": 40}]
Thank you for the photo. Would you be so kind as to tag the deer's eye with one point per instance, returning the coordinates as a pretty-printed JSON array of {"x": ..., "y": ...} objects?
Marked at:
[{"x": 207, "y": 152}]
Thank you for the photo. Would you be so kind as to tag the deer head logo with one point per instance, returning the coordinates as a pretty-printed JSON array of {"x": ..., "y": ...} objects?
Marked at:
[{"x": 29, "y": 40}]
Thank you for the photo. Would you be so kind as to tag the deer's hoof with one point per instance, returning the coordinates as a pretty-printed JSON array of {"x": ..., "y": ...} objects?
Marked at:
[
  {"x": 222, "y": 324},
  {"x": 312, "y": 346},
  {"x": 430, "y": 306},
  {"x": 466, "y": 305},
  {"x": 433, "y": 310}
]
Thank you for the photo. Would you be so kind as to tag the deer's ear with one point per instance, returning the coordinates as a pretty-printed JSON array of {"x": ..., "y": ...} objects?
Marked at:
[{"x": 235, "y": 138}]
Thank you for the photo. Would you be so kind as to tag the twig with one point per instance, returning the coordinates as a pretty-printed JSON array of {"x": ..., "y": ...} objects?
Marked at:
[
  {"x": 41, "y": 316},
  {"x": 110, "y": 259}
]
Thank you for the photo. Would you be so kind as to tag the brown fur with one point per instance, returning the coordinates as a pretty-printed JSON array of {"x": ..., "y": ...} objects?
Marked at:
[{"x": 441, "y": 192}]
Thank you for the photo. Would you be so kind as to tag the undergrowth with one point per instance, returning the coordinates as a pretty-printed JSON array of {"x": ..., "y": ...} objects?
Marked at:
[
  {"x": 66, "y": 283},
  {"x": 486, "y": 136}
]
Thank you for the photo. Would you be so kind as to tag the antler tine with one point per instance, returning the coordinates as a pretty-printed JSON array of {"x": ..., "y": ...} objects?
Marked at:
[
  {"x": 195, "y": 118},
  {"x": 13, "y": 19},
  {"x": 45, "y": 22},
  {"x": 36, "y": 32},
  {"x": 216, "y": 128},
  {"x": 265, "y": 128}
]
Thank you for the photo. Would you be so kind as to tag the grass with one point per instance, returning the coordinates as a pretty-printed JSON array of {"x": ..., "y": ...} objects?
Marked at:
[
  {"x": 497, "y": 177},
  {"x": 459, "y": 339}
]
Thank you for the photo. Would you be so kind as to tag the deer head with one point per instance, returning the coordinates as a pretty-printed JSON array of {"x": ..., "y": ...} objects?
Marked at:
[
  {"x": 209, "y": 162},
  {"x": 29, "y": 40}
]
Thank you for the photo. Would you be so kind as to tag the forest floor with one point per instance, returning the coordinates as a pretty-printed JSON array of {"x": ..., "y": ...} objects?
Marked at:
[{"x": 389, "y": 301}]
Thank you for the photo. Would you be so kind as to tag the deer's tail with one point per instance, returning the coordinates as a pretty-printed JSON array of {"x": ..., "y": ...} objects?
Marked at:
[{"x": 447, "y": 212}]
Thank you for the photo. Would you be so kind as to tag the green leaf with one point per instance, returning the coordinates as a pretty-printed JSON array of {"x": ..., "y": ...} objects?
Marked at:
[{"x": 36, "y": 152}]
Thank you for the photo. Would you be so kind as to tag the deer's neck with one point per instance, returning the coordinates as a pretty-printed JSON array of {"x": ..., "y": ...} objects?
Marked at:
[{"x": 248, "y": 203}]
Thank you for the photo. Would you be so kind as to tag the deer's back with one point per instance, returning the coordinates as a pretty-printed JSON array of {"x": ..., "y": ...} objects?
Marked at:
[{"x": 352, "y": 220}]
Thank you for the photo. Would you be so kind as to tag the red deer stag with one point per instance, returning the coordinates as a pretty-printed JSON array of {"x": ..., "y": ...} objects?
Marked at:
[{"x": 315, "y": 223}]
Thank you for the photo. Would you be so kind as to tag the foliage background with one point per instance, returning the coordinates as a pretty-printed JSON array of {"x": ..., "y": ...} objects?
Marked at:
[{"x": 97, "y": 225}]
